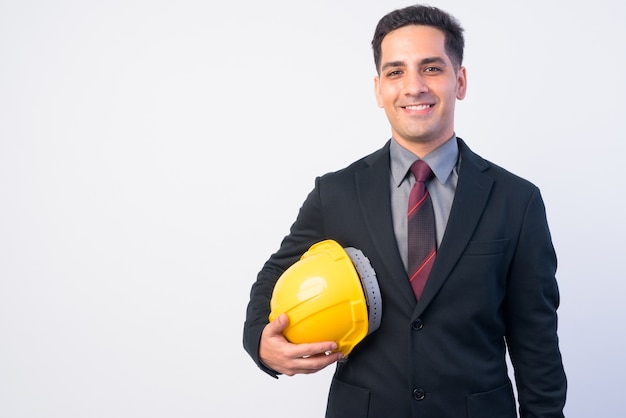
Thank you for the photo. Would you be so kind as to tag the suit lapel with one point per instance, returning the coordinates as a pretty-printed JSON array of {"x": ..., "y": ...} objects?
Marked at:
[
  {"x": 470, "y": 198},
  {"x": 373, "y": 190}
]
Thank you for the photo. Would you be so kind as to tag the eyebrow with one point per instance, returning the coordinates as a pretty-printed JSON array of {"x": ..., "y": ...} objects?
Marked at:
[{"x": 425, "y": 61}]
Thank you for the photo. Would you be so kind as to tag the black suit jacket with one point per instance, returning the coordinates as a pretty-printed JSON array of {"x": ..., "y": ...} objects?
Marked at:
[{"x": 492, "y": 285}]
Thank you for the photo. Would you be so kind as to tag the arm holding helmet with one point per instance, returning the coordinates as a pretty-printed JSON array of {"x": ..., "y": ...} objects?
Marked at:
[{"x": 264, "y": 340}]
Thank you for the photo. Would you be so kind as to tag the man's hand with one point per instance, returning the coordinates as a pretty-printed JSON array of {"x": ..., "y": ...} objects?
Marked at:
[{"x": 289, "y": 359}]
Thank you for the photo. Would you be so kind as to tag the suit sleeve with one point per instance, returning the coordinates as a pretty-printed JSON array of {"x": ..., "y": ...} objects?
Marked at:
[
  {"x": 531, "y": 309},
  {"x": 305, "y": 231}
]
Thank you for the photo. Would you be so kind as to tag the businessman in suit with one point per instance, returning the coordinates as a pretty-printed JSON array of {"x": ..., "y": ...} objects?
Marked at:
[{"x": 492, "y": 286}]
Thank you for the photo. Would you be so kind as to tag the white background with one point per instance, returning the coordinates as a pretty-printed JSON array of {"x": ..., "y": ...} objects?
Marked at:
[{"x": 129, "y": 130}]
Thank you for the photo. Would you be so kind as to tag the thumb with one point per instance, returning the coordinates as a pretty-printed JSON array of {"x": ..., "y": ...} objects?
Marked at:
[{"x": 280, "y": 323}]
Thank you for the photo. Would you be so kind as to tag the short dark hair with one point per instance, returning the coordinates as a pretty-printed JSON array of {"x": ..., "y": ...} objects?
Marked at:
[{"x": 421, "y": 15}]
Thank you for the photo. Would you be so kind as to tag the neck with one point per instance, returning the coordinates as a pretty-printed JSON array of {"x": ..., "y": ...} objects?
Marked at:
[{"x": 422, "y": 148}]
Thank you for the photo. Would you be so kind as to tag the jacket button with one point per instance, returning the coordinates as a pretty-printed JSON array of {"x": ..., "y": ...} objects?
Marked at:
[
  {"x": 419, "y": 394},
  {"x": 418, "y": 324}
]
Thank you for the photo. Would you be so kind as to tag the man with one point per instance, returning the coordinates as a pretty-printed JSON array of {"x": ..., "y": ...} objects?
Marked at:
[{"x": 439, "y": 353}]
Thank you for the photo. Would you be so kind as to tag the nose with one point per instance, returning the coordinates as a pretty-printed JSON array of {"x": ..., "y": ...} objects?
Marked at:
[{"x": 415, "y": 84}]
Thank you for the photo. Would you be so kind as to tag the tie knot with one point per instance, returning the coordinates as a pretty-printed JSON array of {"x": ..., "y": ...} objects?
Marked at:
[{"x": 421, "y": 171}]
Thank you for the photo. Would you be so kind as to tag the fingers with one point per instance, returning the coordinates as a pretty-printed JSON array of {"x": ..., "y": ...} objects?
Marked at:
[
  {"x": 309, "y": 358},
  {"x": 290, "y": 359},
  {"x": 311, "y": 363},
  {"x": 315, "y": 349}
]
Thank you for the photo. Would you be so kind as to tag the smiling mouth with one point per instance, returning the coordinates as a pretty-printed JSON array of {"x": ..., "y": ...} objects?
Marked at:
[{"x": 417, "y": 107}]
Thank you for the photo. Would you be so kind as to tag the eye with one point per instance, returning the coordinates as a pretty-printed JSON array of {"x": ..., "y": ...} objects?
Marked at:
[
  {"x": 394, "y": 73},
  {"x": 432, "y": 70}
]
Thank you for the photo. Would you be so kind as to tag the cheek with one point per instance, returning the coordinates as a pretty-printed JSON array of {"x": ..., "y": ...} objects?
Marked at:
[
  {"x": 452, "y": 94},
  {"x": 386, "y": 96}
]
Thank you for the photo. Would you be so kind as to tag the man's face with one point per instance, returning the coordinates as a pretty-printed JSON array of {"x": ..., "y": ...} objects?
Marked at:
[{"x": 418, "y": 87}]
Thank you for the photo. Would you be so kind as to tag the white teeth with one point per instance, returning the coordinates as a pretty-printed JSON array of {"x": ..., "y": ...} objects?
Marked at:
[{"x": 418, "y": 107}]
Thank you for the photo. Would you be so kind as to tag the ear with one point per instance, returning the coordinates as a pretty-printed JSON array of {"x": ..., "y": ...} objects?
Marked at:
[
  {"x": 379, "y": 98},
  {"x": 461, "y": 83}
]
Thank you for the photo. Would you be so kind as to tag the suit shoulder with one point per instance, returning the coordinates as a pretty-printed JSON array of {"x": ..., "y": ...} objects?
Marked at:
[
  {"x": 363, "y": 163},
  {"x": 502, "y": 174},
  {"x": 498, "y": 173}
]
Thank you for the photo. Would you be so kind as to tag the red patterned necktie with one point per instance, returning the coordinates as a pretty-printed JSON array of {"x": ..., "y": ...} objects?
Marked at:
[{"x": 422, "y": 245}]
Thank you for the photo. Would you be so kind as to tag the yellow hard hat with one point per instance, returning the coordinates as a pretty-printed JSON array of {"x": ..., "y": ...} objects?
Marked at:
[{"x": 330, "y": 294}]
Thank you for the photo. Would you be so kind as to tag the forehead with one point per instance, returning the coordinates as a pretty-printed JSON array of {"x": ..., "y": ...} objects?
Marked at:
[{"x": 413, "y": 41}]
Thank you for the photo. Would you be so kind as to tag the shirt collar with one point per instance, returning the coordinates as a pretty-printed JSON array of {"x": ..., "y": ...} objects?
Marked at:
[{"x": 441, "y": 160}]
